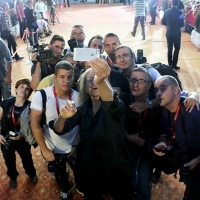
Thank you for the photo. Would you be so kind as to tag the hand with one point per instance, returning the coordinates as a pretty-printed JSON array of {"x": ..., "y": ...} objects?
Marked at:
[
  {"x": 138, "y": 106},
  {"x": 35, "y": 56},
  {"x": 136, "y": 140},
  {"x": 7, "y": 79},
  {"x": 18, "y": 137},
  {"x": 101, "y": 69},
  {"x": 162, "y": 146},
  {"x": 68, "y": 110},
  {"x": 48, "y": 155},
  {"x": 193, "y": 163},
  {"x": 118, "y": 90},
  {"x": 190, "y": 103},
  {"x": 2, "y": 139}
]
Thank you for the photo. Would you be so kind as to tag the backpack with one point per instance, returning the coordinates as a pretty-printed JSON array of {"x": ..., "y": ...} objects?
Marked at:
[
  {"x": 25, "y": 128},
  {"x": 163, "y": 70},
  {"x": 166, "y": 70}
]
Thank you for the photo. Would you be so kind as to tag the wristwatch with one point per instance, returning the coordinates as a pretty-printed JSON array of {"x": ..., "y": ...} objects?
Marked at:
[{"x": 150, "y": 104}]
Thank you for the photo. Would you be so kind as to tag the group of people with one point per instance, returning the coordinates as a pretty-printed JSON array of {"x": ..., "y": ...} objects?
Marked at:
[{"x": 101, "y": 118}]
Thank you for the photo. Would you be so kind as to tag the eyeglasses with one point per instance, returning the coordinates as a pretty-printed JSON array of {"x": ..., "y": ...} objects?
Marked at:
[
  {"x": 125, "y": 55},
  {"x": 90, "y": 80},
  {"x": 139, "y": 81},
  {"x": 78, "y": 34}
]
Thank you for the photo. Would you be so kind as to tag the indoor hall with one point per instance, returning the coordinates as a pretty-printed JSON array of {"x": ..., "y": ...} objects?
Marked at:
[{"x": 116, "y": 18}]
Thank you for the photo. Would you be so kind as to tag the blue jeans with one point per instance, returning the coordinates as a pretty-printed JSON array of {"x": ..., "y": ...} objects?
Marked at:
[
  {"x": 33, "y": 36},
  {"x": 141, "y": 171},
  {"x": 5, "y": 90}
]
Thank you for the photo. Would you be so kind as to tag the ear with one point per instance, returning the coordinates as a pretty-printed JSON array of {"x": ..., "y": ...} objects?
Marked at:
[
  {"x": 176, "y": 90},
  {"x": 54, "y": 77}
]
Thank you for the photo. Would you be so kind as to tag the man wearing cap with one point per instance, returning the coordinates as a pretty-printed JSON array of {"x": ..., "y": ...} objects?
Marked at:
[{"x": 58, "y": 149}]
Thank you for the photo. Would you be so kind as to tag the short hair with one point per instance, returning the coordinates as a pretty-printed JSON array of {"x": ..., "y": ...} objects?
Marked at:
[
  {"x": 143, "y": 70},
  {"x": 68, "y": 55},
  {"x": 95, "y": 37},
  {"x": 4, "y": 4},
  {"x": 124, "y": 46},
  {"x": 24, "y": 81},
  {"x": 57, "y": 37},
  {"x": 112, "y": 35},
  {"x": 175, "y": 2},
  {"x": 28, "y": 1},
  {"x": 63, "y": 65},
  {"x": 78, "y": 26},
  {"x": 83, "y": 96},
  {"x": 170, "y": 79}
]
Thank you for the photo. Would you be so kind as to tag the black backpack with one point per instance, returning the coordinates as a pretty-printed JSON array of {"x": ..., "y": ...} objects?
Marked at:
[
  {"x": 167, "y": 70},
  {"x": 163, "y": 70}
]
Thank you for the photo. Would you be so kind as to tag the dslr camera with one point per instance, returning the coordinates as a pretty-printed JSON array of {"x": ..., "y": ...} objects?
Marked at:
[
  {"x": 147, "y": 137},
  {"x": 140, "y": 59},
  {"x": 8, "y": 140},
  {"x": 43, "y": 54}
]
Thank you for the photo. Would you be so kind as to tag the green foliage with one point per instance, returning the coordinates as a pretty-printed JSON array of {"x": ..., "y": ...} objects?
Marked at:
[{"x": 197, "y": 22}]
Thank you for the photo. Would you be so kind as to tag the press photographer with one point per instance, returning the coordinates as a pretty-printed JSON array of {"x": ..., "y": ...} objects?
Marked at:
[
  {"x": 182, "y": 131},
  {"x": 43, "y": 67}
]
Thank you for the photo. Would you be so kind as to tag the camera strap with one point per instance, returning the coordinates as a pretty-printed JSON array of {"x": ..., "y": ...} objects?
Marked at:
[
  {"x": 14, "y": 120},
  {"x": 180, "y": 108}
]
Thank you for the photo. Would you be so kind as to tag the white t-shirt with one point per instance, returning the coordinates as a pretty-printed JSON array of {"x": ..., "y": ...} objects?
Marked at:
[
  {"x": 58, "y": 144},
  {"x": 41, "y": 23}
]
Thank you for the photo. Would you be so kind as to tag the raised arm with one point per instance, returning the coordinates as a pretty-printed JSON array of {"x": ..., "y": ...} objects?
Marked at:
[{"x": 102, "y": 71}]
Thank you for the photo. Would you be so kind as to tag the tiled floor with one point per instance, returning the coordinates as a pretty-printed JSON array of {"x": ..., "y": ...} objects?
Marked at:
[{"x": 118, "y": 19}]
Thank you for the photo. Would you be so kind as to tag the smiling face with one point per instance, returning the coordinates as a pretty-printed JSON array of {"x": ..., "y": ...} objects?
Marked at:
[
  {"x": 91, "y": 88},
  {"x": 139, "y": 84},
  {"x": 110, "y": 44},
  {"x": 124, "y": 58},
  {"x": 23, "y": 91}
]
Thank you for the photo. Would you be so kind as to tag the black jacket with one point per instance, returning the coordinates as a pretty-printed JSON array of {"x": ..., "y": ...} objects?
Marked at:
[
  {"x": 174, "y": 20},
  {"x": 102, "y": 136}
]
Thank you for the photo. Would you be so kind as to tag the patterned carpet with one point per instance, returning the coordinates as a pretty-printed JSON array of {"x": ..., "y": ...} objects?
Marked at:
[{"x": 115, "y": 18}]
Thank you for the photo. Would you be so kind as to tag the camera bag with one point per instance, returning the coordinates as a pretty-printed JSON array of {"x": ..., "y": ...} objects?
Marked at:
[{"x": 25, "y": 117}]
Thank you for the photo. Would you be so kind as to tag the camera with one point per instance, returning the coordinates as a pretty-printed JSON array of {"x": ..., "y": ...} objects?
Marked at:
[
  {"x": 42, "y": 54},
  {"x": 8, "y": 140},
  {"x": 140, "y": 59},
  {"x": 51, "y": 166},
  {"x": 147, "y": 137},
  {"x": 86, "y": 54}
]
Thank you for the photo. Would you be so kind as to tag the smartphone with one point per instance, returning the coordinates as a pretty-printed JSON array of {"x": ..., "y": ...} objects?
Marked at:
[
  {"x": 86, "y": 54},
  {"x": 12, "y": 134}
]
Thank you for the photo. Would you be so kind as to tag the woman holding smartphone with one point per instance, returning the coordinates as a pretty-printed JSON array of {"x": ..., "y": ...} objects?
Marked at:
[{"x": 10, "y": 138}]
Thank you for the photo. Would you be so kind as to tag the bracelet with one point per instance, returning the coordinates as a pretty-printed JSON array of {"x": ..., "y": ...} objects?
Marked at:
[{"x": 75, "y": 145}]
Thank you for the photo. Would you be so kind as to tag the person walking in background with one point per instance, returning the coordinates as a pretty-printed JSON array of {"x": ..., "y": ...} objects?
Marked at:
[
  {"x": 152, "y": 7},
  {"x": 31, "y": 24},
  {"x": 40, "y": 9},
  {"x": 10, "y": 137},
  {"x": 5, "y": 71},
  {"x": 173, "y": 19},
  {"x": 20, "y": 16},
  {"x": 139, "y": 7},
  {"x": 6, "y": 32}
]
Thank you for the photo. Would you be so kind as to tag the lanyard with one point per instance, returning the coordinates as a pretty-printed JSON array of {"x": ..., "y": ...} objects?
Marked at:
[
  {"x": 55, "y": 95},
  {"x": 172, "y": 126},
  {"x": 49, "y": 68},
  {"x": 15, "y": 122},
  {"x": 141, "y": 121}
]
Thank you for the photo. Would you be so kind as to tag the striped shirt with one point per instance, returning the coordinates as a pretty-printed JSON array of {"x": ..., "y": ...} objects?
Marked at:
[{"x": 139, "y": 6}]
